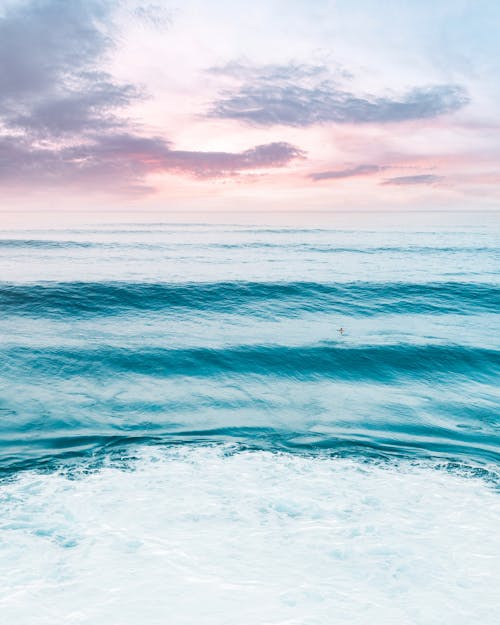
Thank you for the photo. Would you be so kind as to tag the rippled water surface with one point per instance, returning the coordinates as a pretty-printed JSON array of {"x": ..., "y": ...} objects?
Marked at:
[{"x": 186, "y": 437}]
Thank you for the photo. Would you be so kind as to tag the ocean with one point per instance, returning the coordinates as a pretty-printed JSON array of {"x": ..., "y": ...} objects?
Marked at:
[{"x": 188, "y": 437}]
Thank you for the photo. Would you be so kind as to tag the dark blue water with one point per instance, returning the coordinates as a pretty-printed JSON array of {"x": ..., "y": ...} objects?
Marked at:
[{"x": 166, "y": 334}]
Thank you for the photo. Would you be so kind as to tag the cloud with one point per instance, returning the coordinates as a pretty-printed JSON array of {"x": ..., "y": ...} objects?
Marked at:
[
  {"x": 273, "y": 72},
  {"x": 360, "y": 170},
  {"x": 143, "y": 155},
  {"x": 62, "y": 119},
  {"x": 45, "y": 39},
  {"x": 49, "y": 84},
  {"x": 418, "y": 179},
  {"x": 215, "y": 164},
  {"x": 301, "y": 95},
  {"x": 91, "y": 108},
  {"x": 121, "y": 162}
]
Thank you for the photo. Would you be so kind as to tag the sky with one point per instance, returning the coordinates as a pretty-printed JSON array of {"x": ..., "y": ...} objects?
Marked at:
[{"x": 288, "y": 105}]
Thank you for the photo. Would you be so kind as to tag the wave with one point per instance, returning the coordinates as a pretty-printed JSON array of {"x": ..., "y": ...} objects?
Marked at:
[
  {"x": 43, "y": 244},
  {"x": 380, "y": 362},
  {"x": 472, "y": 451},
  {"x": 91, "y": 299},
  {"x": 49, "y": 244}
]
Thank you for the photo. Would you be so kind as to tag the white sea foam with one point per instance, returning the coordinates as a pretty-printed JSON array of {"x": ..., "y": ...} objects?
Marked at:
[{"x": 197, "y": 535}]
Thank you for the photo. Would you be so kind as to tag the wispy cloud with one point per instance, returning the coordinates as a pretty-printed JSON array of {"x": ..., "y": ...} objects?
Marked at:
[
  {"x": 352, "y": 172},
  {"x": 273, "y": 73},
  {"x": 409, "y": 180},
  {"x": 155, "y": 15},
  {"x": 302, "y": 95}
]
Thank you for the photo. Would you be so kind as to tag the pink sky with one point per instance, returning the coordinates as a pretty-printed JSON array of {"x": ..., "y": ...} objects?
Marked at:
[{"x": 233, "y": 106}]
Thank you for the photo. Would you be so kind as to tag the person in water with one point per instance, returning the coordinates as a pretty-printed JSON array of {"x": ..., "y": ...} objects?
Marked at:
[{"x": 341, "y": 330}]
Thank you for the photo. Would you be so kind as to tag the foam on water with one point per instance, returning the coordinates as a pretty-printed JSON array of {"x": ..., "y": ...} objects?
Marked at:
[{"x": 212, "y": 535}]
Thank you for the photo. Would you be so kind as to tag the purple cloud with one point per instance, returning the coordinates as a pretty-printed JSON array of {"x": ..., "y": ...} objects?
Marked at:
[
  {"x": 360, "y": 170},
  {"x": 49, "y": 84},
  {"x": 123, "y": 161},
  {"x": 302, "y": 95},
  {"x": 418, "y": 179}
]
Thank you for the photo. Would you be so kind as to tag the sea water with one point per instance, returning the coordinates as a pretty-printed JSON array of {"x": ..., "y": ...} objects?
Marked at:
[{"x": 186, "y": 436}]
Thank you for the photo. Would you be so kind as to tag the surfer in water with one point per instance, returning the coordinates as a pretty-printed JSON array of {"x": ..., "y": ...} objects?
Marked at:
[{"x": 341, "y": 330}]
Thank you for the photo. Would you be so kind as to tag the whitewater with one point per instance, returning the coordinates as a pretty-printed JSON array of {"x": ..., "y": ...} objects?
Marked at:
[{"x": 186, "y": 437}]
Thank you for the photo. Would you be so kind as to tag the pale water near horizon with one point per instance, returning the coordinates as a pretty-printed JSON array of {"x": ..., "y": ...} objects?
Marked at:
[{"x": 187, "y": 438}]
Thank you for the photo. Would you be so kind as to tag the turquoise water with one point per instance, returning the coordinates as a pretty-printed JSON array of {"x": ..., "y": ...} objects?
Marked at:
[{"x": 180, "y": 416}]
